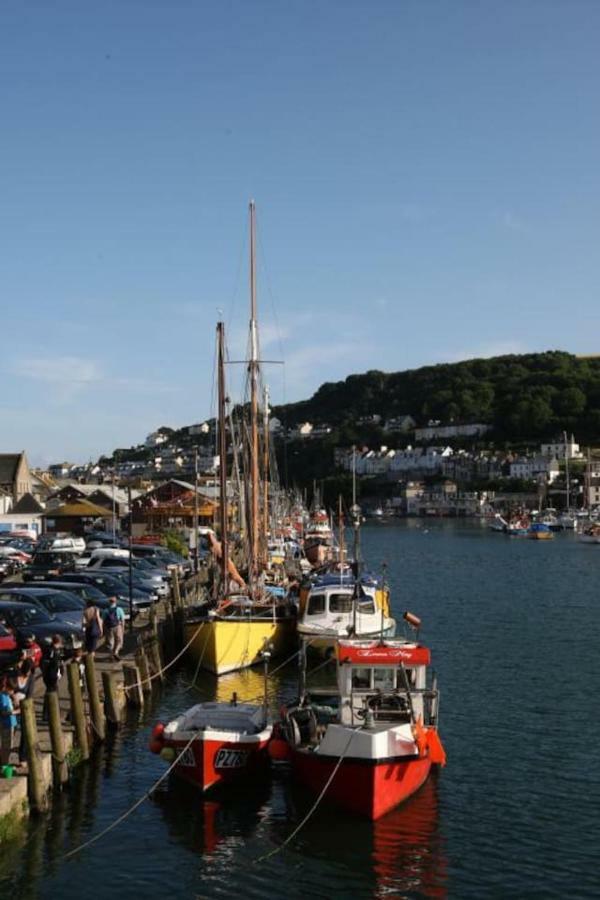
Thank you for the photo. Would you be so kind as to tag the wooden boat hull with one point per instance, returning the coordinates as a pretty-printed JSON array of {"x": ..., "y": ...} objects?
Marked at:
[
  {"x": 225, "y": 645},
  {"x": 365, "y": 787},
  {"x": 207, "y": 763}
]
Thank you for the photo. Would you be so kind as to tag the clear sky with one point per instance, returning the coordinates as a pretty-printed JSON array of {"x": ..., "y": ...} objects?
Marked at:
[{"x": 426, "y": 180}]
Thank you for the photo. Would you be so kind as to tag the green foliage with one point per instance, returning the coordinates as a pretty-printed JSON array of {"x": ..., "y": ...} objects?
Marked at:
[
  {"x": 174, "y": 542},
  {"x": 524, "y": 397},
  {"x": 12, "y": 827}
]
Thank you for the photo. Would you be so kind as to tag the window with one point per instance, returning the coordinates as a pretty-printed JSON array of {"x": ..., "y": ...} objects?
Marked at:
[
  {"x": 340, "y": 603},
  {"x": 383, "y": 680},
  {"x": 361, "y": 679},
  {"x": 316, "y": 605},
  {"x": 366, "y": 605}
]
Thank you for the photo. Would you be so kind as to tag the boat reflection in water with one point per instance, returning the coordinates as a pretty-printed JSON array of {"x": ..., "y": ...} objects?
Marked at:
[
  {"x": 224, "y": 822},
  {"x": 399, "y": 855}
]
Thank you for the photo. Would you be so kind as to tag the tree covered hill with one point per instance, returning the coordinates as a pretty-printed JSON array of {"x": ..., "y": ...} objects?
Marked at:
[{"x": 522, "y": 396}]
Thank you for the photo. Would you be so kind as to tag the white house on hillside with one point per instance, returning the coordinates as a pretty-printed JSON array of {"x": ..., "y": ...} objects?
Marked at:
[{"x": 565, "y": 449}]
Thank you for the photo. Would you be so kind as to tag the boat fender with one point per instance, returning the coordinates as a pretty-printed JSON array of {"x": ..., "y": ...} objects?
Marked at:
[
  {"x": 158, "y": 730},
  {"x": 155, "y": 746},
  {"x": 168, "y": 754}
]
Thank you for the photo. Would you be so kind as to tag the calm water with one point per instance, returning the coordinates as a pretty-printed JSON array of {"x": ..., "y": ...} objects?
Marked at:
[{"x": 514, "y": 630}]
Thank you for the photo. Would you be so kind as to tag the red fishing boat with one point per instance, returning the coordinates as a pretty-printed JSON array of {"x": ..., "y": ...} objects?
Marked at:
[
  {"x": 215, "y": 742},
  {"x": 378, "y": 748}
]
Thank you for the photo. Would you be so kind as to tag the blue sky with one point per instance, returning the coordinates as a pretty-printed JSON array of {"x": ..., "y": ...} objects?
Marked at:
[{"x": 425, "y": 173}]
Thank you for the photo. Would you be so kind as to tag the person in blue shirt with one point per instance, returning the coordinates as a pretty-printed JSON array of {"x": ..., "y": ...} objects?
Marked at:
[
  {"x": 8, "y": 720},
  {"x": 113, "y": 620}
]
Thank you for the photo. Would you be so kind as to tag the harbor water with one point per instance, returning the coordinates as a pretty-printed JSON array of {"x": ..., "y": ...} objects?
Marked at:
[{"x": 514, "y": 630}]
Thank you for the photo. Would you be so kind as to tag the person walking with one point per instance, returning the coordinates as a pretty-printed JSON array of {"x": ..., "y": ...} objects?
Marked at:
[
  {"x": 92, "y": 626},
  {"x": 52, "y": 670},
  {"x": 114, "y": 626},
  {"x": 8, "y": 720}
]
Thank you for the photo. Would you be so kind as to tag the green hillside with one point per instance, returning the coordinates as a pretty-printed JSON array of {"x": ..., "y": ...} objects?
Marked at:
[{"x": 523, "y": 397}]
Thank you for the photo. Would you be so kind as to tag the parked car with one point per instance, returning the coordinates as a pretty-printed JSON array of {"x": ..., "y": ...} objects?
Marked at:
[
  {"x": 111, "y": 586},
  {"x": 161, "y": 557},
  {"x": 26, "y": 619},
  {"x": 150, "y": 578},
  {"x": 48, "y": 562},
  {"x": 87, "y": 592},
  {"x": 11, "y": 648},
  {"x": 65, "y": 607},
  {"x": 95, "y": 539},
  {"x": 61, "y": 542}
]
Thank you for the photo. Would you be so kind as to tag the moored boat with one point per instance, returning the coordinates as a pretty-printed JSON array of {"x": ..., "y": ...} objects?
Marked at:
[
  {"x": 215, "y": 742},
  {"x": 539, "y": 531},
  {"x": 378, "y": 749}
]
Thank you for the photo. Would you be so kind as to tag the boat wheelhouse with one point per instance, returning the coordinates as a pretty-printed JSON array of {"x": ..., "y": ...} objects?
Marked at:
[{"x": 338, "y": 606}]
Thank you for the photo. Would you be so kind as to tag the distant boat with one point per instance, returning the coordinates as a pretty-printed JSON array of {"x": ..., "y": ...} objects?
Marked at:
[{"x": 539, "y": 531}]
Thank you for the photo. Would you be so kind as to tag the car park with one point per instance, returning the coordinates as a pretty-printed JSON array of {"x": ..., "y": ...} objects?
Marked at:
[
  {"x": 152, "y": 579},
  {"x": 28, "y": 620},
  {"x": 64, "y": 606},
  {"x": 112, "y": 586},
  {"x": 87, "y": 592}
]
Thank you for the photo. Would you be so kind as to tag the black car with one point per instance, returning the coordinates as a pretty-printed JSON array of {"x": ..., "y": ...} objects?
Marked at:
[
  {"x": 29, "y": 620},
  {"x": 85, "y": 592},
  {"x": 48, "y": 562},
  {"x": 110, "y": 586}
]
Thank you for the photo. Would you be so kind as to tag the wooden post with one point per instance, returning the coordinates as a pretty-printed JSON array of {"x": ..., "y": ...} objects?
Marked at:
[
  {"x": 111, "y": 700},
  {"x": 60, "y": 770},
  {"x": 35, "y": 781},
  {"x": 142, "y": 664},
  {"x": 153, "y": 619},
  {"x": 154, "y": 652},
  {"x": 77, "y": 711},
  {"x": 175, "y": 589},
  {"x": 133, "y": 691},
  {"x": 96, "y": 711}
]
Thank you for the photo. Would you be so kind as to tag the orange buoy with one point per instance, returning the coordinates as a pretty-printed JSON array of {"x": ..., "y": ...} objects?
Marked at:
[
  {"x": 279, "y": 750},
  {"x": 155, "y": 746},
  {"x": 158, "y": 730}
]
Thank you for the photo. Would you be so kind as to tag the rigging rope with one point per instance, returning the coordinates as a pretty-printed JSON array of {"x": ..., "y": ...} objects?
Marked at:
[{"x": 132, "y": 808}]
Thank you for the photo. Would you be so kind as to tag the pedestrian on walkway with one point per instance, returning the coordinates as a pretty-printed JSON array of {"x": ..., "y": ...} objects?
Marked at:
[
  {"x": 23, "y": 684},
  {"x": 114, "y": 627},
  {"x": 92, "y": 626},
  {"x": 8, "y": 720},
  {"x": 52, "y": 670}
]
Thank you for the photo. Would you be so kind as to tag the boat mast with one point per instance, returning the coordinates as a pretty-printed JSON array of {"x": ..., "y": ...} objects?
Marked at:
[
  {"x": 253, "y": 373},
  {"x": 266, "y": 469},
  {"x": 223, "y": 458},
  {"x": 567, "y": 482}
]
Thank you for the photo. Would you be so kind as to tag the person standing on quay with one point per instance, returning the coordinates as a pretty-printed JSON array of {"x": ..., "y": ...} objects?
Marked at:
[
  {"x": 92, "y": 626},
  {"x": 8, "y": 720},
  {"x": 52, "y": 670},
  {"x": 114, "y": 627}
]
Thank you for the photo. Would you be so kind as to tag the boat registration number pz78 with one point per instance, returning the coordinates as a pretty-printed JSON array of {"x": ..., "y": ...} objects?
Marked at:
[{"x": 230, "y": 759}]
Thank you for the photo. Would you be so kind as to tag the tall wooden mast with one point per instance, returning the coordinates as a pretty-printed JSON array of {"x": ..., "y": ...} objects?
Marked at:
[
  {"x": 265, "y": 528},
  {"x": 253, "y": 368},
  {"x": 223, "y": 457}
]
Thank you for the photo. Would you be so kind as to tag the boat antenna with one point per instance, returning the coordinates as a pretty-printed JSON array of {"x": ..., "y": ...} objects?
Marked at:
[
  {"x": 223, "y": 458},
  {"x": 383, "y": 593}
]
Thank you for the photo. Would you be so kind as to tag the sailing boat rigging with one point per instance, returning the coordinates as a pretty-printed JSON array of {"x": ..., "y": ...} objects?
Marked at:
[{"x": 248, "y": 617}]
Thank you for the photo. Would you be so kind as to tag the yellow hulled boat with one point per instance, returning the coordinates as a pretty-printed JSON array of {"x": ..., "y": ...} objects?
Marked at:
[{"x": 235, "y": 637}]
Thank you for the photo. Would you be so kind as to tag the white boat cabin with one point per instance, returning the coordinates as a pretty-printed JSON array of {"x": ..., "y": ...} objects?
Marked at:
[{"x": 383, "y": 682}]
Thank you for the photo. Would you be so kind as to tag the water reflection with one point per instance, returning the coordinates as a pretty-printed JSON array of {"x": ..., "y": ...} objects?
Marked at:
[{"x": 401, "y": 854}]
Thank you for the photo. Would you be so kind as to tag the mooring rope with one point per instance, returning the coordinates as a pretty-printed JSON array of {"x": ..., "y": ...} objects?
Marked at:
[
  {"x": 164, "y": 669},
  {"x": 298, "y": 828},
  {"x": 131, "y": 808}
]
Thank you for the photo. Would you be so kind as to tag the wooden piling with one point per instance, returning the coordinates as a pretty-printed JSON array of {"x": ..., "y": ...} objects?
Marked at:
[
  {"x": 142, "y": 664},
  {"x": 154, "y": 653},
  {"x": 77, "y": 710},
  {"x": 153, "y": 620},
  {"x": 111, "y": 700},
  {"x": 60, "y": 770},
  {"x": 175, "y": 589},
  {"x": 35, "y": 780},
  {"x": 96, "y": 711},
  {"x": 133, "y": 691}
]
